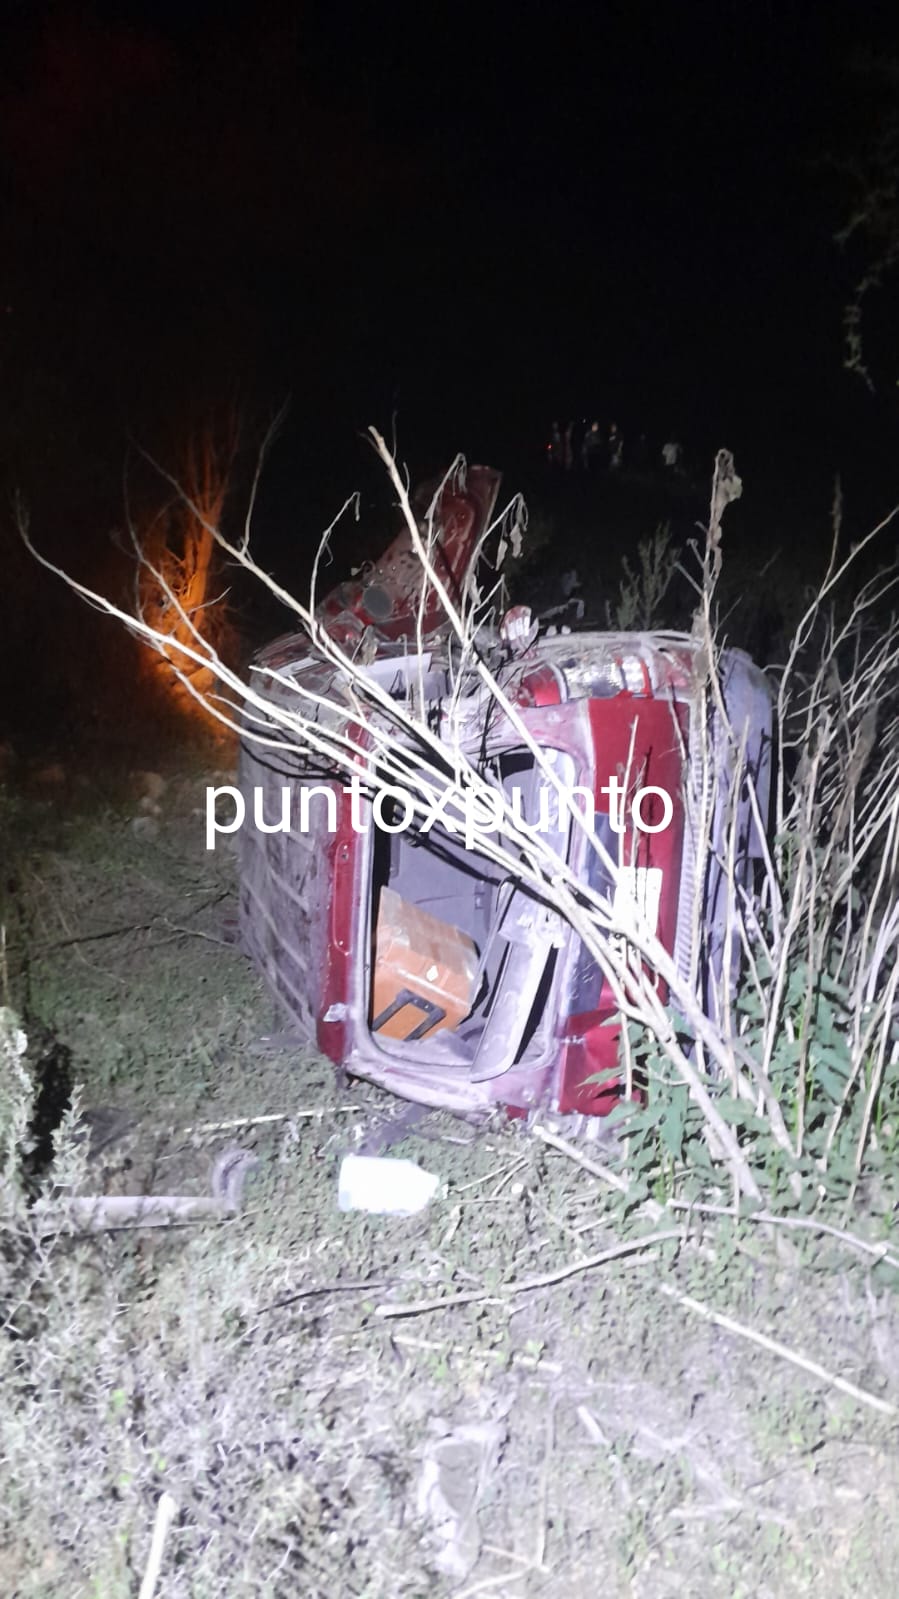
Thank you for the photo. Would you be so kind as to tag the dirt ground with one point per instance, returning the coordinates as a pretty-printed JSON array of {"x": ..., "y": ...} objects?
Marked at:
[{"x": 379, "y": 1406}]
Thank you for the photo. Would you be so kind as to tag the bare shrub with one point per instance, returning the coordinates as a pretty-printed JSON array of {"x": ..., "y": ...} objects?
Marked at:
[
  {"x": 643, "y": 589},
  {"x": 179, "y": 578}
]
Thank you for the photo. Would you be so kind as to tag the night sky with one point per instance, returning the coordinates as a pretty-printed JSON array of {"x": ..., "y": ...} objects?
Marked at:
[{"x": 474, "y": 220}]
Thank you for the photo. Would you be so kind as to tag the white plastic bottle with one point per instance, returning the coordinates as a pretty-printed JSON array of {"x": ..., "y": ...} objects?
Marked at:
[{"x": 383, "y": 1186}]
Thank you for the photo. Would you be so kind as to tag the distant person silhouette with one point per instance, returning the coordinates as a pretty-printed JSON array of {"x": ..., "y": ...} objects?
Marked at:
[{"x": 592, "y": 448}]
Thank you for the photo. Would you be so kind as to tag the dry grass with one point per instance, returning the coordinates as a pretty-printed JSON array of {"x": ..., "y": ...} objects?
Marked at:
[{"x": 244, "y": 1369}]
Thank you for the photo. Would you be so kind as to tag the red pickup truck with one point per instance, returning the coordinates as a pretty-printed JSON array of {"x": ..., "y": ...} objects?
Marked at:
[{"x": 410, "y": 959}]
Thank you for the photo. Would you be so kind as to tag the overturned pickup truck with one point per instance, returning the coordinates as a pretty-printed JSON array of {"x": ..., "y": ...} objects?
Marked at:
[{"x": 417, "y": 963}]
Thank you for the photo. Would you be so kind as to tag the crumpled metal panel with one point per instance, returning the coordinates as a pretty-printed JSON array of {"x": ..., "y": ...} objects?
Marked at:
[{"x": 388, "y": 599}]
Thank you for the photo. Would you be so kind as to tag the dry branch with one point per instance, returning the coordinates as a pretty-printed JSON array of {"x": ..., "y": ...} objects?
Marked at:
[
  {"x": 774, "y": 1347},
  {"x": 166, "y": 1510},
  {"x": 527, "y": 1285}
]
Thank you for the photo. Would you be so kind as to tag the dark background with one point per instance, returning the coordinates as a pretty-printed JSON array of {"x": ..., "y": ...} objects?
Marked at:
[{"x": 458, "y": 224}]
